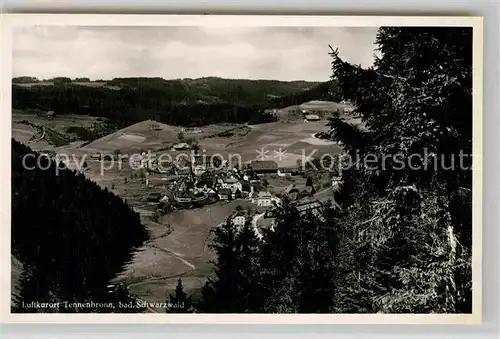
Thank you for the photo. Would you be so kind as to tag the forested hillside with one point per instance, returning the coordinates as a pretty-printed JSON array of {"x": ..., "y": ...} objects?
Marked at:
[
  {"x": 399, "y": 239},
  {"x": 187, "y": 102},
  {"x": 71, "y": 236},
  {"x": 327, "y": 91}
]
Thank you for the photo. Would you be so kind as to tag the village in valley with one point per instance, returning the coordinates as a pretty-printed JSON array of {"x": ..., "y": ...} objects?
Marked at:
[{"x": 185, "y": 181}]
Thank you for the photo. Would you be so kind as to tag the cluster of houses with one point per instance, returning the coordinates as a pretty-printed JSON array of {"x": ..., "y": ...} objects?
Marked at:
[{"x": 200, "y": 181}]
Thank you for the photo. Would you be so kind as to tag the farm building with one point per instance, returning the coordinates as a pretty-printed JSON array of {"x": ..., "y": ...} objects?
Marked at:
[
  {"x": 308, "y": 205},
  {"x": 287, "y": 171},
  {"x": 199, "y": 170},
  {"x": 291, "y": 189},
  {"x": 312, "y": 117},
  {"x": 239, "y": 220},
  {"x": 181, "y": 146},
  {"x": 264, "y": 166},
  {"x": 224, "y": 193}
]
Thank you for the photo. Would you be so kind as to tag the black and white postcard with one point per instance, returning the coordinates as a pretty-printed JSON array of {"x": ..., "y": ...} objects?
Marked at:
[{"x": 241, "y": 169}]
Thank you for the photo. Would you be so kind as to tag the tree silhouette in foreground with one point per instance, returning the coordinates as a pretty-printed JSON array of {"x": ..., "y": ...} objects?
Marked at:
[{"x": 398, "y": 239}]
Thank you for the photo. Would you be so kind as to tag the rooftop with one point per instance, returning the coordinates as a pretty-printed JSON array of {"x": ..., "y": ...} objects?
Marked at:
[
  {"x": 288, "y": 169},
  {"x": 184, "y": 194},
  {"x": 201, "y": 183}
]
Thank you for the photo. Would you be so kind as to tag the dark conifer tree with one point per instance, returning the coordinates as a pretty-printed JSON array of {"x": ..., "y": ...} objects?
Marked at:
[
  {"x": 220, "y": 292},
  {"x": 233, "y": 289},
  {"x": 179, "y": 302}
]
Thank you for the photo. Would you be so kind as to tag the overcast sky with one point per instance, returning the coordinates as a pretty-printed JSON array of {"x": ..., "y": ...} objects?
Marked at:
[{"x": 187, "y": 52}]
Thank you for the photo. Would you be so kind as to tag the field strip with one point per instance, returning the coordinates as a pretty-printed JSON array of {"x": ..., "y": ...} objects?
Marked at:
[{"x": 176, "y": 255}]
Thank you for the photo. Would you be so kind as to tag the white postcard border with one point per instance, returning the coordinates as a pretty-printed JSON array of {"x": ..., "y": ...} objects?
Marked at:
[{"x": 16, "y": 20}]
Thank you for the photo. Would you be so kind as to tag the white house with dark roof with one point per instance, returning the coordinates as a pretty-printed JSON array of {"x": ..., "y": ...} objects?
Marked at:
[{"x": 265, "y": 199}]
